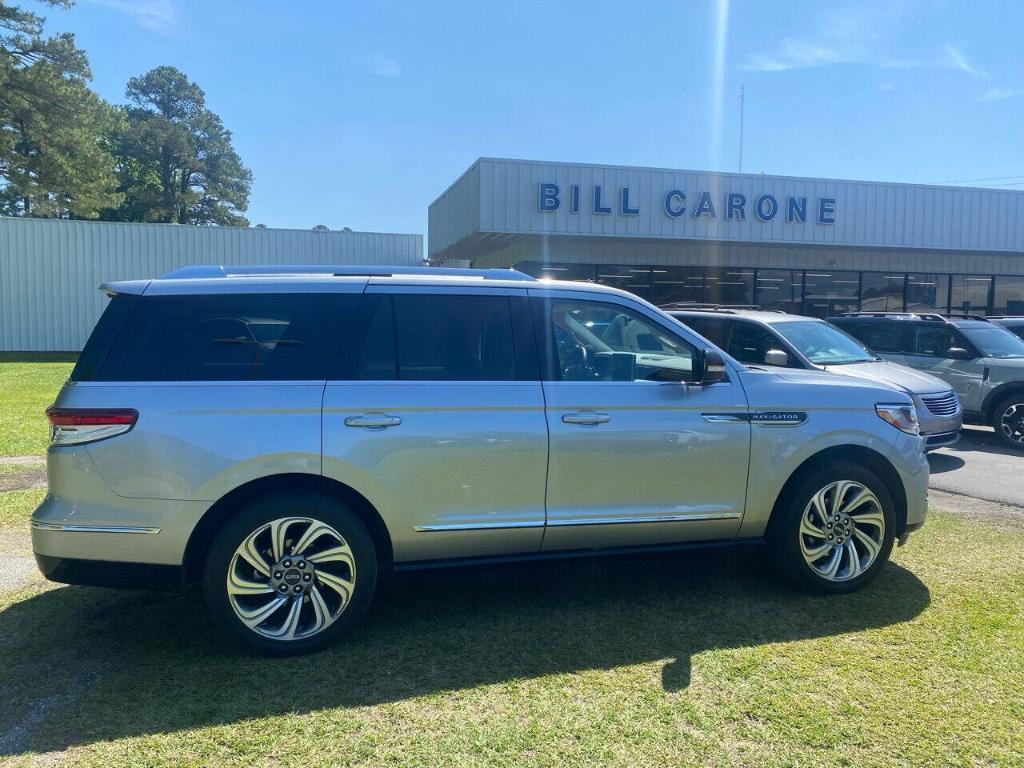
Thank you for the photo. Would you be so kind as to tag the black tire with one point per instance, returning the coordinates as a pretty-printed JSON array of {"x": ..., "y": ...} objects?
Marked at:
[
  {"x": 1010, "y": 434},
  {"x": 783, "y": 537},
  {"x": 257, "y": 514}
]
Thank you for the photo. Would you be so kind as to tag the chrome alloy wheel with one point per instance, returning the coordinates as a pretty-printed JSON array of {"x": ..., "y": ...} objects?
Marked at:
[
  {"x": 291, "y": 578},
  {"x": 841, "y": 530},
  {"x": 1012, "y": 423}
]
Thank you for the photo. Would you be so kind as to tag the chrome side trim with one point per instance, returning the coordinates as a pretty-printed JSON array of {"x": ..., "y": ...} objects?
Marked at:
[
  {"x": 445, "y": 527},
  {"x": 693, "y": 517},
  {"x": 729, "y": 418},
  {"x": 70, "y": 528}
]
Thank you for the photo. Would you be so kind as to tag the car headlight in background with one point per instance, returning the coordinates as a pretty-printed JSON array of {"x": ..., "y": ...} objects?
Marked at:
[{"x": 903, "y": 416}]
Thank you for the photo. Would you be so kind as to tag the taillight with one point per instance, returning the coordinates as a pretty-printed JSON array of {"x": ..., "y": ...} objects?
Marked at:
[{"x": 72, "y": 426}]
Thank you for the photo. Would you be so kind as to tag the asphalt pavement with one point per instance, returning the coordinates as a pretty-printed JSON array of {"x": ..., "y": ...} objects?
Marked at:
[{"x": 980, "y": 467}]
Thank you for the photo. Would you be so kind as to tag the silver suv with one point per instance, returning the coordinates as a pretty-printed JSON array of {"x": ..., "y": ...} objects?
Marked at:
[
  {"x": 980, "y": 359},
  {"x": 284, "y": 436},
  {"x": 795, "y": 341}
]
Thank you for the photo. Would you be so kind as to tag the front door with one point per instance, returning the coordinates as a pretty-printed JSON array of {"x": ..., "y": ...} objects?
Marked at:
[
  {"x": 436, "y": 414},
  {"x": 637, "y": 454},
  {"x": 930, "y": 354}
]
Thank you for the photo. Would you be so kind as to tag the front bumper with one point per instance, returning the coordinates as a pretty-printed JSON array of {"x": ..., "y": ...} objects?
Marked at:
[{"x": 940, "y": 439}]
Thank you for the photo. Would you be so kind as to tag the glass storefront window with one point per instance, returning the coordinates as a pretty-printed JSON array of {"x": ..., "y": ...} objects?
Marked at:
[
  {"x": 677, "y": 284},
  {"x": 927, "y": 292},
  {"x": 970, "y": 293},
  {"x": 780, "y": 289},
  {"x": 1009, "y": 296},
  {"x": 579, "y": 272},
  {"x": 633, "y": 279},
  {"x": 729, "y": 285},
  {"x": 830, "y": 293},
  {"x": 881, "y": 291}
]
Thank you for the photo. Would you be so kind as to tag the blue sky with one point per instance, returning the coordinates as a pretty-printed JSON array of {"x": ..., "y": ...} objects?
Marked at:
[{"x": 360, "y": 114}]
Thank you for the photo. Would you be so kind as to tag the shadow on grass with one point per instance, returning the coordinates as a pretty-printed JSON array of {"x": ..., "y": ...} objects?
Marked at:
[
  {"x": 38, "y": 357},
  {"x": 84, "y": 665}
]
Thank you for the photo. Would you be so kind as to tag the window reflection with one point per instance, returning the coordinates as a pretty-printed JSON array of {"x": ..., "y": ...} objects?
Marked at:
[
  {"x": 830, "y": 293},
  {"x": 927, "y": 292},
  {"x": 1009, "y": 296},
  {"x": 970, "y": 294},
  {"x": 882, "y": 291},
  {"x": 678, "y": 285},
  {"x": 781, "y": 289}
]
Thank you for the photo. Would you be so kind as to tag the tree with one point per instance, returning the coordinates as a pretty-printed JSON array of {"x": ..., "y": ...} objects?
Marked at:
[
  {"x": 54, "y": 159},
  {"x": 175, "y": 158},
  {"x": 321, "y": 228}
]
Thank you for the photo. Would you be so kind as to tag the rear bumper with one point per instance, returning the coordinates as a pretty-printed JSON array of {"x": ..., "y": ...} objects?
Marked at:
[{"x": 104, "y": 573}]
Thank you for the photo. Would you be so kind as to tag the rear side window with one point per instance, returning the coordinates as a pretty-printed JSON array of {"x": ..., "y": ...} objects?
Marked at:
[
  {"x": 439, "y": 337},
  {"x": 229, "y": 337},
  {"x": 101, "y": 340},
  {"x": 893, "y": 338},
  {"x": 711, "y": 328}
]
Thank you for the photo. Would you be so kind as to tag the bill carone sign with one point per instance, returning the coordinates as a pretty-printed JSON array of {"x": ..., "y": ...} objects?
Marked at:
[{"x": 675, "y": 204}]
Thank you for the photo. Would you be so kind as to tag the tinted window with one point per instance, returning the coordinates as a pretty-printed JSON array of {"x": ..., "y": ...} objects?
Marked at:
[
  {"x": 102, "y": 338},
  {"x": 935, "y": 342},
  {"x": 608, "y": 342},
  {"x": 831, "y": 293},
  {"x": 454, "y": 337},
  {"x": 749, "y": 342},
  {"x": 229, "y": 337},
  {"x": 893, "y": 338},
  {"x": 711, "y": 328},
  {"x": 881, "y": 291},
  {"x": 780, "y": 289}
]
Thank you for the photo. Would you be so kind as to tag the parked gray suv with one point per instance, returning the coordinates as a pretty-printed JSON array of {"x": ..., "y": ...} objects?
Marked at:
[
  {"x": 283, "y": 436},
  {"x": 795, "y": 341},
  {"x": 980, "y": 359}
]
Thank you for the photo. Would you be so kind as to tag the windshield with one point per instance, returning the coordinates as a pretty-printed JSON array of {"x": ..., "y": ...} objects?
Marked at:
[
  {"x": 824, "y": 344},
  {"x": 995, "y": 342}
]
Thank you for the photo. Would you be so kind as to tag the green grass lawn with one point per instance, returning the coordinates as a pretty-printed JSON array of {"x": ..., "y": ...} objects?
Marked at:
[
  {"x": 28, "y": 384},
  {"x": 698, "y": 659}
]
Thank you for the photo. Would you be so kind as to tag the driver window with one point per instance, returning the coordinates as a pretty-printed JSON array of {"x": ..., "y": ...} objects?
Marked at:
[
  {"x": 608, "y": 342},
  {"x": 935, "y": 342}
]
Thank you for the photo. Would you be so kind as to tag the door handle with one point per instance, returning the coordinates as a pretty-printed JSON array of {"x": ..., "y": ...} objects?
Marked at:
[
  {"x": 373, "y": 421},
  {"x": 586, "y": 418}
]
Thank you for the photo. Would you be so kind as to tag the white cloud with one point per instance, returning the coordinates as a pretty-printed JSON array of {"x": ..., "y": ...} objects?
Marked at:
[
  {"x": 1000, "y": 94},
  {"x": 383, "y": 66},
  {"x": 157, "y": 15},
  {"x": 864, "y": 35},
  {"x": 955, "y": 59},
  {"x": 887, "y": 86}
]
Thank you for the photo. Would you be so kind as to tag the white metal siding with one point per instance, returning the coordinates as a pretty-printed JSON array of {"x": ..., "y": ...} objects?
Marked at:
[
  {"x": 50, "y": 269},
  {"x": 867, "y": 214},
  {"x": 456, "y": 212}
]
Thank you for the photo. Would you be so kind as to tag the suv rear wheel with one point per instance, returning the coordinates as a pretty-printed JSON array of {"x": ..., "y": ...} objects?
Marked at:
[
  {"x": 1008, "y": 421},
  {"x": 290, "y": 572},
  {"x": 835, "y": 531}
]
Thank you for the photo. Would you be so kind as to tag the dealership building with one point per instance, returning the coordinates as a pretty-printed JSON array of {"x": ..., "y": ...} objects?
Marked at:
[{"x": 811, "y": 246}]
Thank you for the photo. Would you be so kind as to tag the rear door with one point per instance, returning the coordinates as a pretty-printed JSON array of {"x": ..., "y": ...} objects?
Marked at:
[
  {"x": 636, "y": 457},
  {"x": 435, "y": 412}
]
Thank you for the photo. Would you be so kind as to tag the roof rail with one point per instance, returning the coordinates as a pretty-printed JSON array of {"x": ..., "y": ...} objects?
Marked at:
[
  {"x": 280, "y": 270},
  {"x": 896, "y": 315},
  {"x": 966, "y": 316},
  {"x": 711, "y": 307}
]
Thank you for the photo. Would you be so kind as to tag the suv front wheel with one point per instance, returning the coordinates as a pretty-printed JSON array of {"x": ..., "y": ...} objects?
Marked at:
[
  {"x": 1008, "y": 421},
  {"x": 290, "y": 572},
  {"x": 835, "y": 530}
]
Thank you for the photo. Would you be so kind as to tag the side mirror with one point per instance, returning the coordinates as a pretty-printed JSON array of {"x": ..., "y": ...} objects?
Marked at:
[
  {"x": 714, "y": 367},
  {"x": 958, "y": 353},
  {"x": 776, "y": 357}
]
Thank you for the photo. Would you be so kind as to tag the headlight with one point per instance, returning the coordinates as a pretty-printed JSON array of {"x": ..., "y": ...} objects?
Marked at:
[{"x": 902, "y": 416}]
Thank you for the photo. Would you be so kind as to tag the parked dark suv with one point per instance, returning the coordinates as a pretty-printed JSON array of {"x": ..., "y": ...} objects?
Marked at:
[{"x": 981, "y": 359}]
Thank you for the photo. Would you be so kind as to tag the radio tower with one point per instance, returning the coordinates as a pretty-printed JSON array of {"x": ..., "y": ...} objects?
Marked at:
[{"x": 741, "y": 130}]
